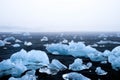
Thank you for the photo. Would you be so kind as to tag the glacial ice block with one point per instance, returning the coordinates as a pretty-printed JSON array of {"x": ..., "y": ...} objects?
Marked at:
[
  {"x": 76, "y": 49},
  {"x": 44, "y": 39},
  {"x": 2, "y": 43},
  {"x": 7, "y": 39},
  {"x": 100, "y": 71},
  {"x": 27, "y": 43},
  {"x": 78, "y": 65},
  {"x": 74, "y": 76},
  {"x": 53, "y": 68},
  {"x": 32, "y": 59},
  {"x": 6, "y": 67},
  {"x": 114, "y": 58},
  {"x": 30, "y": 75},
  {"x": 18, "y": 69}
]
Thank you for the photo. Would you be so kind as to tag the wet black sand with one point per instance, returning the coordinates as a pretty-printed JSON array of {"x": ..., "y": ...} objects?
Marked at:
[{"x": 88, "y": 38}]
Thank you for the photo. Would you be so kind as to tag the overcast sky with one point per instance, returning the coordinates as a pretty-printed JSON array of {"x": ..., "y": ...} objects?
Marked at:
[{"x": 59, "y": 15}]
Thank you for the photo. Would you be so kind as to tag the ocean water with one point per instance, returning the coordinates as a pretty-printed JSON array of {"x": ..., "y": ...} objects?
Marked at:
[{"x": 93, "y": 39}]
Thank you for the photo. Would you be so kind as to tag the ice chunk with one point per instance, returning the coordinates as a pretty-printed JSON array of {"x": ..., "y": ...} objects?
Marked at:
[
  {"x": 9, "y": 39},
  {"x": 75, "y": 49},
  {"x": 97, "y": 57},
  {"x": 115, "y": 61},
  {"x": 6, "y": 64},
  {"x": 103, "y": 62},
  {"x": 30, "y": 75},
  {"x": 94, "y": 45},
  {"x": 18, "y": 41},
  {"x": 65, "y": 41},
  {"x": 27, "y": 43},
  {"x": 106, "y": 53},
  {"x": 57, "y": 64},
  {"x": 32, "y": 59},
  {"x": 53, "y": 68},
  {"x": 99, "y": 71},
  {"x": 16, "y": 45},
  {"x": 74, "y": 76},
  {"x": 80, "y": 50},
  {"x": 6, "y": 67},
  {"x": 46, "y": 70},
  {"x": 58, "y": 48},
  {"x": 114, "y": 58},
  {"x": 44, "y": 38},
  {"x": 37, "y": 56},
  {"x": 2, "y": 43},
  {"x": 78, "y": 65},
  {"x": 19, "y": 56},
  {"x": 88, "y": 65},
  {"x": 116, "y": 51},
  {"x": 20, "y": 61},
  {"x": 18, "y": 70}
]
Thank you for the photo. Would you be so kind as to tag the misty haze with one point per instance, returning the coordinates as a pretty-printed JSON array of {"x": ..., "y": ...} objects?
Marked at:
[{"x": 59, "y": 39}]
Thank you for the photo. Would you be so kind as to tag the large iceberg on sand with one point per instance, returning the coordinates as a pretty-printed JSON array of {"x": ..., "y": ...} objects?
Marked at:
[
  {"x": 19, "y": 57},
  {"x": 53, "y": 68},
  {"x": 78, "y": 65},
  {"x": 78, "y": 49},
  {"x": 32, "y": 59},
  {"x": 74, "y": 76},
  {"x": 21, "y": 61},
  {"x": 30, "y": 75},
  {"x": 97, "y": 56},
  {"x": 57, "y": 49},
  {"x": 18, "y": 69},
  {"x": 75, "y": 49},
  {"x": 114, "y": 58},
  {"x": 6, "y": 67}
]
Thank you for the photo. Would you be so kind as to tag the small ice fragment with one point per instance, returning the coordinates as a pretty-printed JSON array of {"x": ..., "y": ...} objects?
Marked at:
[
  {"x": 99, "y": 71},
  {"x": 27, "y": 43},
  {"x": 16, "y": 45},
  {"x": 44, "y": 38},
  {"x": 65, "y": 41},
  {"x": 18, "y": 41},
  {"x": 74, "y": 76}
]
